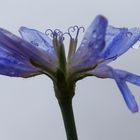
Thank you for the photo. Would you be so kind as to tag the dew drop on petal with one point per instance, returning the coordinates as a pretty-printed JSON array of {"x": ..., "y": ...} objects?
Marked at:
[
  {"x": 84, "y": 41},
  {"x": 136, "y": 45},
  {"x": 94, "y": 35},
  {"x": 129, "y": 34},
  {"x": 34, "y": 43},
  {"x": 19, "y": 63}
]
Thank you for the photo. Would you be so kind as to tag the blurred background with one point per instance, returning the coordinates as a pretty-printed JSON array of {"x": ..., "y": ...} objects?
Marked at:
[{"x": 28, "y": 108}]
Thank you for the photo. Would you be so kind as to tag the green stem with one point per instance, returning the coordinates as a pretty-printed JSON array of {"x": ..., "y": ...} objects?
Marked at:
[{"x": 68, "y": 118}]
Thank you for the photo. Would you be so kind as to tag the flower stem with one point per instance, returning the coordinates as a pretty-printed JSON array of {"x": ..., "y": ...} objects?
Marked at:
[{"x": 68, "y": 118}]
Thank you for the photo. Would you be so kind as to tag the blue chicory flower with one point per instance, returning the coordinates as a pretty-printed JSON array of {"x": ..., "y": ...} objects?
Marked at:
[{"x": 36, "y": 53}]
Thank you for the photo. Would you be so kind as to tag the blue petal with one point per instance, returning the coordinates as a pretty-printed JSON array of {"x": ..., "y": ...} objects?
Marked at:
[
  {"x": 127, "y": 95},
  {"x": 11, "y": 41},
  {"x": 119, "y": 41},
  {"x": 102, "y": 71},
  {"x": 129, "y": 77},
  {"x": 38, "y": 39},
  {"x": 112, "y": 32},
  {"x": 105, "y": 71},
  {"x": 14, "y": 64},
  {"x": 120, "y": 76},
  {"x": 92, "y": 43}
]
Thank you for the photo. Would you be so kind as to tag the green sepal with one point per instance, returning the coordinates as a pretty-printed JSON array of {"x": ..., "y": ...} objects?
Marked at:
[{"x": 63, "y": 87}]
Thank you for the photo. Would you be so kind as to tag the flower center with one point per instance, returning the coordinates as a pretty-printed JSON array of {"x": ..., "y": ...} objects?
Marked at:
[
  {"x": 72, "y": 32},
  {"x": 58, "y": 38}
]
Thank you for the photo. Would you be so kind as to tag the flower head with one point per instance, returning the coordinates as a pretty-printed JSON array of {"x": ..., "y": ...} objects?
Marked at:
[{"x": 38, "y": 53}]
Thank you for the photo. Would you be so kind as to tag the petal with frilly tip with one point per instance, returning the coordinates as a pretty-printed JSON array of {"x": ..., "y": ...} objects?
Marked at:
[
  {"x": 39, "y": 40},
  {"x": 120, "y": 41},
  {"x": 105, "y": 71},
  {"x": 126, "y": 93},
  {"x": 112, "y": 32},
  {"x": 120, "y": 76}
]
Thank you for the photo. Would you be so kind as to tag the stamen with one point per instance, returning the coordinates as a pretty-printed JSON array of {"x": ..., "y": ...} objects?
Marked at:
[
  {"x": 66, "y": 33},
  {"x": 76, "y": 29},
  {"x": 49, "y": 33},
  {"x": 72, "y": 29},
  {"x": 54, "y": 34},
  {"x": 59, "y": 34},
  {"x": 82, "y": 28}
]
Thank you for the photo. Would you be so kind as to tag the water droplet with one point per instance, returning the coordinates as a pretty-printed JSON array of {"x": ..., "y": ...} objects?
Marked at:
[
  {"x": 12, "y": 73},
  {"x": 34, "y": 43},
  {"x": 136, "y": 45},
  {"x": 84, "y": 41},
  {"x": 19, "y": 63},
  {"x": 129, "y": 34},
  {"x": 94, "y": 35},
  {"x": 100, "y": 37}
]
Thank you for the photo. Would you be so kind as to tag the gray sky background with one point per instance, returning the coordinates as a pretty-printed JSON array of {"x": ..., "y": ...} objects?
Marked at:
[{"x": 28, "y": 108}]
